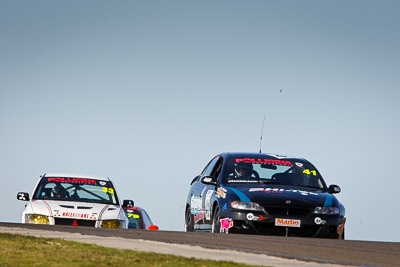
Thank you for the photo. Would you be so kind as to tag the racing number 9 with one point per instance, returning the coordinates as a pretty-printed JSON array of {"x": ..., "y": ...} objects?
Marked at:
[{"x": 108, "y": 190}]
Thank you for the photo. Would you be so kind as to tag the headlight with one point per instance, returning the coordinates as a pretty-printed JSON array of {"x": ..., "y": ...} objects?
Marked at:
[
  {"x": 37, "y": 219},
  {"x": 243, "y": 205},
  {"x": 326, "y": 210},
  {"x": 111, "y": 224}
]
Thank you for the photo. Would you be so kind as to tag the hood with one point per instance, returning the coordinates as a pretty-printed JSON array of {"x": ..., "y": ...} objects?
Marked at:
[
  {"x": 75, "y": 210},
  {"x": 280, "y": 194}
]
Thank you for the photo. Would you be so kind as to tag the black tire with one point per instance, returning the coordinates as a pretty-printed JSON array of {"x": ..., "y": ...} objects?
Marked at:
[
  {"x": 216, "y": 223},
  {"x": 189, "y": 221}
]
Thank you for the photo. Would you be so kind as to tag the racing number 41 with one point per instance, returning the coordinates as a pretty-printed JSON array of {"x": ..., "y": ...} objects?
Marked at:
[{"x": 307, "y": 171}]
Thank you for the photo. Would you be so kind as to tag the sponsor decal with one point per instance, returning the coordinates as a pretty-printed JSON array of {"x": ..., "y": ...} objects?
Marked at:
[
  {"x": 281, "y": 190},
  {"x": 72, "y": 180},
  {"x": 287, "y": 222},
  {"x": 225, "y": 225},
  {"x": 73, "y": 215},
  {"x": 299, "y": 164},
  {"x": 243, "y": 181},
  {"x": 200, "y": 216},
  {"x": 252, "y": 217},
  {"x": 195, "y": 205},
  {"x": 220, "y": 193},
  {"x": 21, "y": 196},
  {"x": 207, "y": 204},
  {"x": 318, "y": 220},
  {"x": 269, "y": 161},
  {"x": 304, "y": 193},
  {"x": 102, "y": 183},
  {"x": 256, "y": 189},
  {"x": 274, "y": 190}
]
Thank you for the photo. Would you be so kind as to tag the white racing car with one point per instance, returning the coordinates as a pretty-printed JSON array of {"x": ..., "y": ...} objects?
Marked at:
[{"x": 78, "y": 200}]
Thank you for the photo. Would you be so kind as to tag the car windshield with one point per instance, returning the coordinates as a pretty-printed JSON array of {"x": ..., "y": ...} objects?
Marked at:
[
  {"x": 135, "y": 218},
  {"x": 273, "y": 171},
  {"x": 76, "y": 189}
]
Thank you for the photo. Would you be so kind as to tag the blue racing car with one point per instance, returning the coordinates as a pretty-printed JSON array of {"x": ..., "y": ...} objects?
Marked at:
[{"x": 263, "y": 194}]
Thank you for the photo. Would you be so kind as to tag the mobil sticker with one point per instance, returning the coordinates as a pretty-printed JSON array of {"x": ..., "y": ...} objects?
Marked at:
[{"x": 287, "y": 222}]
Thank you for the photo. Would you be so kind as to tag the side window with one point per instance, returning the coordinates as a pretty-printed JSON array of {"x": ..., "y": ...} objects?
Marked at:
[
  {"x": 146, "y": 219},
  {"x": 217, "y": 169},
  {"x": 208, "y": 170},
  {"x": 45, "y": 191}
]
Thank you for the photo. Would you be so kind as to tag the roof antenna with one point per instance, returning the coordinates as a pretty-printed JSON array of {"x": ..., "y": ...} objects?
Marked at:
[{"x": 262, "y": 130}]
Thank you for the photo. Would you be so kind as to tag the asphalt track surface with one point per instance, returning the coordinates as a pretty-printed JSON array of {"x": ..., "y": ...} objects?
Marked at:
[{"x": 342, "y": 252}]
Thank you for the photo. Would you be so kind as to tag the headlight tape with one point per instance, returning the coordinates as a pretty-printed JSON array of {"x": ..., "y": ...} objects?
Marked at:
[
  {"x": 242, "y": 196},
  {"x": 328, "y": 201}
]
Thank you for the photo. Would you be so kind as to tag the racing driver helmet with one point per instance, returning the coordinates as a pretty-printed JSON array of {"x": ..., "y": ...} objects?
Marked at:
[
  {"x": 243, "y": 169},
  {"x": 60, "y": 192}
]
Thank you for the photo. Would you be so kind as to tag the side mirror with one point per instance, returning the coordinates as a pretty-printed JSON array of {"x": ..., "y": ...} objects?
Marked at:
[
  {"x": 23, "y": 196},
  {"x": 208, "y": 180},
  {"x": 127, "y": 203},
  {"x": 334, "y": 189},
  {"x": 153, "y": 227},
  {"x": 194, "y": 179}
]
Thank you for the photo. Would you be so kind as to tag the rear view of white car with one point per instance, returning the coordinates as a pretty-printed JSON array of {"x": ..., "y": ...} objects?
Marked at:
[{"x": 78, "y": 200}]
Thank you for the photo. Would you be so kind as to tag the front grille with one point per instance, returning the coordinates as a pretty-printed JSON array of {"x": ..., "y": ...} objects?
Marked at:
[
  {"x": 291, "y": 211},
  {"x": 76, "y": 222}
]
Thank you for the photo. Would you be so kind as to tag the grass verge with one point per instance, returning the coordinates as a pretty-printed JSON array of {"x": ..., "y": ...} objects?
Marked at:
[{"x": 19, "y": 250}]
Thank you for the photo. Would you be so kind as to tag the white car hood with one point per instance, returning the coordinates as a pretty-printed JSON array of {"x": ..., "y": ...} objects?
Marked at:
[{"x": 75, "y": 210}]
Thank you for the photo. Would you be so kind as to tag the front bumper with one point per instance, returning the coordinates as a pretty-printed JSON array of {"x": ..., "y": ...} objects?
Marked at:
[
  {"x": 42, "y": 219},
  {"x": 311, "y": 225}
]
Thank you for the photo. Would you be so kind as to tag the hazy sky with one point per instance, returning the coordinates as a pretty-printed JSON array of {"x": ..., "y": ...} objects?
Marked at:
[{"x": 147, "y": 92}]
